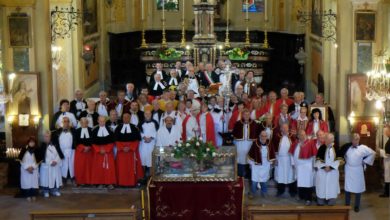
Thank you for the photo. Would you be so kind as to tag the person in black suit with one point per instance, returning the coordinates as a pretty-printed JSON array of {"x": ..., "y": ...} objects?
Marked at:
[
  {"x": 179, "y": 70},
  {"x": 159, "y": 71},
  {"x": 157, "y": 87},
  {"x": 136, "y": 116},
  {"x": 208, "y": 76},
  {"x": 78, "y": 104},
  {"x": 173, "y": 79}
]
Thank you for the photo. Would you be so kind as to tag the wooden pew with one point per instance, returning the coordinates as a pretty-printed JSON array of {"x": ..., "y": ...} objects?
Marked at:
[
  {"x": 89, "y": 214},
  {"x": 297, "y": 212}
]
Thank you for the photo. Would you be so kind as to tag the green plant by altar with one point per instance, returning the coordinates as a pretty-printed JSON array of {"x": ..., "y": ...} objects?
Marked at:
[
  {"x": 237, "y": 54},
  {"x": 195, "y": 148}
]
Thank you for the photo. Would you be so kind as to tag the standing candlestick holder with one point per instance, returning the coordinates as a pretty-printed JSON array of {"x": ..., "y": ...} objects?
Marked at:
[
  {"x": 183, "y": 35},
  {"x": 247, "y": 39},
  {"x": 143, "y": 42},
  {"x": 163, "y": 40}
]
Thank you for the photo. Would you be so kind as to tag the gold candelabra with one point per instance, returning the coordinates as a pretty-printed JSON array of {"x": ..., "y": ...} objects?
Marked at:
[
  {"x": 227, "y": 41},
  {"x": 164, "y": 40},
  {"x": 247, "y": 39},
  {"x": 183, "y": 35},
  {"x": 143, "y": 42}
]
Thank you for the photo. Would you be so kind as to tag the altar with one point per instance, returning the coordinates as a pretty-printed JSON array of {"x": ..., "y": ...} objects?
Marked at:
[{"x": 194, "y": 200}]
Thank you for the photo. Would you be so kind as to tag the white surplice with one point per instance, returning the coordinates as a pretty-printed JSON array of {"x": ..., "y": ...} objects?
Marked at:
[
  {"x": 261, "y": 172},
  {"x": 284, "y": 172},
  {"x": 192, "y": 128},
  {"x": 220, "y": 125},
  {"x": 50, "y": 176},
  {"x": 327, "y": 183},
  {"x": 166, "y": 138},
  {"x": 355, "y": 160},
  {"x": 243, "y": 146},
  {"x": 146, "y": 149},
  {"x": 65, "y": 141},
  {"x": 28, "y": 180},
  {"x": 303, "y": 168}
]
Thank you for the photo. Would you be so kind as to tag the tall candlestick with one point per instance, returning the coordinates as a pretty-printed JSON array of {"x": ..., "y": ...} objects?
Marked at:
[
  {"x": 266, "y": 10},
  {"x": 227, "y": 41},
  {"x": 142, "y": 10},
  {"x": 247, "y": 9},
  {"x": 163, "y": 9},
  {"x": 183, "y": 10}
]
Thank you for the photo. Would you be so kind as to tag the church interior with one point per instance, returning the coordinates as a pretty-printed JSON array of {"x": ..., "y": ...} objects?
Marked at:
[{"x": 260, "y": 109}]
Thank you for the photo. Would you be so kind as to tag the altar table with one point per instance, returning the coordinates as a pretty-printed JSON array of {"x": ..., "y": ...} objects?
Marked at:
[{"x": 196, "y": 200}]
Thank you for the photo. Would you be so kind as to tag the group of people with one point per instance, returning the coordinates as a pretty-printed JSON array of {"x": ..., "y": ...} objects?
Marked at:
[{"x": 109, "y": 141}]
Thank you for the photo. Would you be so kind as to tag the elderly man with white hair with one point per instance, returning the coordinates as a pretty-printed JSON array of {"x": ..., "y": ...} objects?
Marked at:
[
  {"x": 190, "y": 124},
  {"x": 327, "y": 175},
  {"x": 356, "y": 157},
  {"x": 79, "y": 104},
  {"x": 168, "y": 134},
  {"x": 102, "y": 106},
  {"x": 131, "y": 95}
]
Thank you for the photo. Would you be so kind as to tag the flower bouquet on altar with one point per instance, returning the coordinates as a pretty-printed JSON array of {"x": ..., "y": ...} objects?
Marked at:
[
  {"x": 238, "y": 53},
  {"x": 202, "y": 153},
  {"x": 169, "y": 53}
]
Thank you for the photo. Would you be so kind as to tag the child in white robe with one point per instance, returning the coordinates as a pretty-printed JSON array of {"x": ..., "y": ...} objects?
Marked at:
[{"x": 29, "y": 158}]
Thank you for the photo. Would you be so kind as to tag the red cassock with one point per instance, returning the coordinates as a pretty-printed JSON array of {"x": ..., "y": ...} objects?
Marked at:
[
  {"x": 323, "y": 126},
  {"x": 308, "y": 149},
  {"x": 269, "y": 107},
  {"x": 210, "y": 130},
  {"x": 184, "y": 126},
  {"x": 236, "y": 116},
  {"x": 279, "y": 102},
  {"x": 128, "y": 164},
  {"x": 103, "y": 171},
  {"x": 83, "y": 164}
]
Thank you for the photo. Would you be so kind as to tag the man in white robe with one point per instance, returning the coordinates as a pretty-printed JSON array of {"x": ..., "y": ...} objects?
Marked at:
[
  {"x": 356, "y": 157},
  {"x": 284, "y": 173},
  {"x": 190, "y": 125},
  {"x": 221, "y": 119},
  {"x": 327, "y": 175},
  {"x": 169, "y": 111},
  {"x": 168, "y": 134},
  {"x": 50, "y": 176},
  {"x": 64, "y": 138},
  {"x": 303, "y": 160},
  {"x": 148, "y": 134}
]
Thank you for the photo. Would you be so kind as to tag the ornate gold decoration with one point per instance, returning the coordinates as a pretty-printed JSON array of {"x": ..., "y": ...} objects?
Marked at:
[
  {"x": 163, "y": 40},
  {"x": 164, "y": 210},
  {"x": 143, "y": 42},
  {"x": 247, "y": 39},
  {"x": 183, "y": 35}
]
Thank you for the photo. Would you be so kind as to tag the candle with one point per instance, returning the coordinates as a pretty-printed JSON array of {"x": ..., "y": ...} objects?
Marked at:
[
  {"x": 247, "y": 9},
  {"x": 266, "y": 10},
  {"x": 142, "y": 10},
  {"x": 227, "y": 14},
  {"x": 183, "y": 10},
  {"x": 163, "y": 7}
]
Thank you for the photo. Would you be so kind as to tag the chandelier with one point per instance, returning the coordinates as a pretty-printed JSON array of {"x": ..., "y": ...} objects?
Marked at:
[
  {"x": 378, "y": 80},
  {"x": 328, "y": 22}
]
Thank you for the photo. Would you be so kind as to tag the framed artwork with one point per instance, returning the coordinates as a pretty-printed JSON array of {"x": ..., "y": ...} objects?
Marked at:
[
  {"x": 169, "y": 5},
  {"x": 322, "y": 108},
  {"x": 365, "y": 22},
  {"x": 366, "y": 128},
  {"x": 316, "y": 23},
  {"x": 24, "y": 88},
  {"x": 19, "y": 31},
  {"x": 253, "y": 5},
  {"x": 364, "y": 57},
  {"x": 90, "y": 17},
  {"x": 356, "y": 99}
]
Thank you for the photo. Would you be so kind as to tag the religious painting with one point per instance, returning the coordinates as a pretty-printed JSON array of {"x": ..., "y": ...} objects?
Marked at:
[
  {"x": 316, "y": 63},
  {"x": 91, "y": 73},
  {"x": 365, "y": 26},
  {"x": 364, "y": 57},
  {"x": 90, "y": 17},
  {"x": 356, "y": 99},
  {"x": 169, "y": 5},
  {"x": 366, "y": 128},
  {"x": 322, "y": 108},
  {"x": 24, "y": 89},
  {"x": 19, "y": 31},
  {"x": 316, "y": 23},
  {"x": 253, "y": 5}
]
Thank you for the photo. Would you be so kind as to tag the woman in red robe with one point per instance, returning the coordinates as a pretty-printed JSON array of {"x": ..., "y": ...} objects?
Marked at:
[{"x": 316, "y": 123}]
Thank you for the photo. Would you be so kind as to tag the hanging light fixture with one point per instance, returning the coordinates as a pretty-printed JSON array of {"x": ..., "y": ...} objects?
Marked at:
[
  {"x": 63, "y": 21},
  {"x": 378, "y": 80}
]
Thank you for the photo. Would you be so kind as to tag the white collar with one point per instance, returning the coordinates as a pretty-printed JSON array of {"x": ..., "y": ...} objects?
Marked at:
[
  {"x": 158, "y": 84},
  {"x": 103, "y": 132},
  {"x": 126, "y": 129},
  {"x": 84, "y": 133}
]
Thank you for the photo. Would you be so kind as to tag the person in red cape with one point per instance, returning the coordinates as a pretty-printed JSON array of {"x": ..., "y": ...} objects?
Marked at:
[
  {"x": 316, "y": 123},
  {"x": 84, "y": 155},
  {"x": 284, "y": 99},
  {"x": 270, "y": 107},
  {"x": 283, "y": 117},
  {"x": 236, "y": 115},
  {"x": 190, "y": 125},
  {"x": 245, "y": 131},
  {"x": 128, "y": 160},
  {"x": 103, "y": 170},
  {"x": 206, "y": 125},
  {"x": 303, "y": 153}
]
